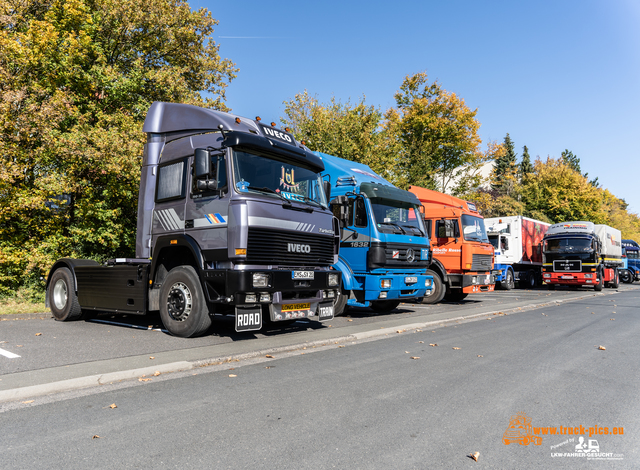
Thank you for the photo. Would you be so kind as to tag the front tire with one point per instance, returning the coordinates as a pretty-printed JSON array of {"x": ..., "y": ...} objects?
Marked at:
[
  {"x": 625, "y": 276},
  {"x": 508, "y": 282},
  {"x": 384, "y": 306},
  {"x": 438, "y": 289},
  {"x": 340, "y": 304},
  {"x": 598, "y": 287},
  {"x": 183, "y": 309},
  {"x": 62, "y": 296}
]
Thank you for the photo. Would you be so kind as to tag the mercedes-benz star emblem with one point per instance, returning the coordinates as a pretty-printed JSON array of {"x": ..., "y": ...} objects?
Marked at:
[{"x": 410, "y": 256}]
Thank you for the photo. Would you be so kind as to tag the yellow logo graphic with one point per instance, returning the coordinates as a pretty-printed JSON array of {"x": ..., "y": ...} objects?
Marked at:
[{"x": 520, "y": 430}]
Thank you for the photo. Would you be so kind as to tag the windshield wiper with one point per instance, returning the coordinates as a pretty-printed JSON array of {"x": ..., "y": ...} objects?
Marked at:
[
  {"x": 264, "y": 189},
  {"x": 404, "y": 232},
  {"x": 414, "y": 228}
]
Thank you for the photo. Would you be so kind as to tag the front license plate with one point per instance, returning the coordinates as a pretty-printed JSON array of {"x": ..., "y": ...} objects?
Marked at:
[
  {"x": 566, "y": 277},
  {"x": 302, "y": 274},
  {"x": 410, "y": 280},
  {"x": 294, "y": 307}
]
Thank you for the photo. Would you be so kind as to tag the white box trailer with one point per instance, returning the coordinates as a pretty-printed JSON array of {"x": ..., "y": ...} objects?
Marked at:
[
  {"x": 611, "y": 241},
  {"x": 518, "y": 249}
]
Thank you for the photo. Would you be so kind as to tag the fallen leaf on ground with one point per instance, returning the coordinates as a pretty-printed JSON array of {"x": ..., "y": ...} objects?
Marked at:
[
  {"x": 232, "y": 375},
  {"x": 475, "y": 456},
  {"x": 612, "y": 319},
  {"x": 269, "y": 356},
  {"x": 602, "y": 348},
  {"x": 480, "y": 355},
  {"x": 415, "y": 357},
  {"x": 95, "y": 436},
  {"x": 349, "y": 319},
  {"x": 143, "y": 380},
  {"x": 433, "y": 344},
  {"x": 151, "y": 357},
  {"x": 28, "y": 401},
  {"x": 401, "y": 331},
  {"x": 156, "y": 373},
  {"x": 113, "y": 405},
  {"x": 421, "y": 342},
  {"x": 40, "y": 334},
  {"x": 455, "y": 347},
  {"x": 341, "y": 346}
]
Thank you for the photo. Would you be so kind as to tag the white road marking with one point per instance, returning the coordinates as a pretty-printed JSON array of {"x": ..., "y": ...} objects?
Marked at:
[{"x": 8, "y": 354}]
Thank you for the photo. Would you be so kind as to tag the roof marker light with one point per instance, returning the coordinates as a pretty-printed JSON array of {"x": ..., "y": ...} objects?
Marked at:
[
  {"x": 238, "y": 121},
  {"x": 273, "y": 124},
  {"x": 258, "y": 118}
]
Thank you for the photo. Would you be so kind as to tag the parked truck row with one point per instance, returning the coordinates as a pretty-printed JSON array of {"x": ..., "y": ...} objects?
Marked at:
[{"x": 236, "y": 217}]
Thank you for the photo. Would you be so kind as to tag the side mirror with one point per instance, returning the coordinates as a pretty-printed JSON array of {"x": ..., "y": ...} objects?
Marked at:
[
  {"x": 327, "y": 189},
  {"x": 340, "y": 209},
  {"x": 202, "y": 164}
]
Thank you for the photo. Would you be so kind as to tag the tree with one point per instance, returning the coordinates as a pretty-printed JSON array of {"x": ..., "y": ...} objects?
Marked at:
[
  {"x": 347, "y": 131},
  {"x": 76, "y": 78},
  {"x": 561, "y": 193},
  {"x": 571, "y": 160},
  {"x": 437, "y": 133},
  {"x": 505, "y": 170},
  {"x": 525, "y": 165}
]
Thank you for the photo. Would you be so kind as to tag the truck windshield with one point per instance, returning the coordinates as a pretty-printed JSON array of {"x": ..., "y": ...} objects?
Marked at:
[
  {"x": 259, "y": 174},
  {"x": 564, "y": 245},
  {"x": 473, "y": 229},
  {"x": 633, "y": 254},
  {"x": 495, "y": 240},
  {"x": 391, "y": 216}
]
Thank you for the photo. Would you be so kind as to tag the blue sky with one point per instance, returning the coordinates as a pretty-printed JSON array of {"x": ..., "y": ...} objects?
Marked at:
[{"x": 555, "y": 75}]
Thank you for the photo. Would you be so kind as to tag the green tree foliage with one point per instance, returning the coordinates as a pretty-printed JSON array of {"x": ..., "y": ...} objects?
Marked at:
[
  {"x": 505, "y": 170},
  {"x": 347, "y": 131},
  {"x": 76, "y": 79},
  {"x": 525, "y": 164},
  {"x": 437, "y": 134},
  {"x": 561, "y": 193}
]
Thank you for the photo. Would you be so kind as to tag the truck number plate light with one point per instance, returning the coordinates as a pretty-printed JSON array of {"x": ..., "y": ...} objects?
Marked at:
[
  {"x": 410, "y": 280},
  {"x": 302, "y": 274}
]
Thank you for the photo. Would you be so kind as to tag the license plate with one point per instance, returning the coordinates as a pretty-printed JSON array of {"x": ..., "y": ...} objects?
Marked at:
[
  {"x": 293, "y": 307},
  {"x": 566, "y": 277},
  {"x": 410, "y": 280},
  {"x": 302, "y": 275}
]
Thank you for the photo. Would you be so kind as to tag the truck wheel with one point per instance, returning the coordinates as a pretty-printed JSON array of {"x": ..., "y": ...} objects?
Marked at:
[
  {"x": 600, "y": 284},
  {"x": 455, "y": 296},
  {"x": 531, "y": 279},
  {"x": 384, "y": 306},
  {"x": 183, "y": 309},
  {"x": 62, "y": 296},
  {"x": 438, "y": 290},
  {"x": 625, "y": 276},
  {"x": 508, "y": 282},
  {"x": 616, "y": 279},
  {"x": 340, "y": 304}
]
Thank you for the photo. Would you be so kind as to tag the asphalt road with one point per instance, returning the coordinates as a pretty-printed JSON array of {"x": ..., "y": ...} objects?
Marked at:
[{"x": 394, "y": 401}]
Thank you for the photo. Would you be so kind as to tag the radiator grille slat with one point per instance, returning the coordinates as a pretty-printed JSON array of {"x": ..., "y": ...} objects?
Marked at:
[
  {"x": 481, "y": 263},
  {"x": 272, "y": 247}
]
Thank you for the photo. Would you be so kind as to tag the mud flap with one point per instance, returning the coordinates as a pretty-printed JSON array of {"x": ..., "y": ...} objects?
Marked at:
[{"x": 248, "y": 318}]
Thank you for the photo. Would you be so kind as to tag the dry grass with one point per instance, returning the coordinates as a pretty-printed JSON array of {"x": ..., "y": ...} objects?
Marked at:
[{"x": 12, "y": 306}]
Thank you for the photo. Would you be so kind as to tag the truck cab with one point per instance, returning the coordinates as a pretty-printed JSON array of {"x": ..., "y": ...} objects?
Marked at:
[
  {"x": 232, "y": 219},
  {"x": 384, "y": 252}
]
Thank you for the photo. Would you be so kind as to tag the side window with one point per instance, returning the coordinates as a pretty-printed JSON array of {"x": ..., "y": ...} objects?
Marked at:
[
  {"x": 360, "y": 214},
  {"x": 428, "y": 223},
  {"x": 171, "y": 181},
  {"x": 447, "y": 229}
]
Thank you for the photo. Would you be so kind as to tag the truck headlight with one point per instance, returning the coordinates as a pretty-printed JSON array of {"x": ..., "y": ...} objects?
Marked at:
[
  {"x": 588, "y": 276},
  {"x": 546, "y": 275},
  {"x": 385, "y": 283},
  {"x": 332, "y": 280},
  {"x": 474, "y": 280},
  {"x": 250, "y": 298},
  {"x": 260, "y": 280}
]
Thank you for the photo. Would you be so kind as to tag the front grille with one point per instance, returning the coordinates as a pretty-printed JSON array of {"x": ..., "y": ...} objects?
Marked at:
[
  {"x": 481, "y": 263},
  {"x": 396, "y": 255},
  {"x": 292, "y": 248}
]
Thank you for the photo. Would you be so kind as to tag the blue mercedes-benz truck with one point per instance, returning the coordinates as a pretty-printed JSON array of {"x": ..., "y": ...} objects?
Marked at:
[{"x": 384, "y": 250}]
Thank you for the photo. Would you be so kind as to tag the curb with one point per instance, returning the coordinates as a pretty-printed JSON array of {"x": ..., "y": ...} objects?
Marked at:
[{"x": 103, "y": 379}]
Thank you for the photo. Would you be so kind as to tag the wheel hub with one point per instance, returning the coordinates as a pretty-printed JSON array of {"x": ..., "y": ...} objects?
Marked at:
[
  {"x": 179, "y": 301},
  {"x": 60, "y": 294}
]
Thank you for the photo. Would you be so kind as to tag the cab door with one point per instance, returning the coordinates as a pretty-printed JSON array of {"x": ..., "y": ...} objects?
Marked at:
[
  {"x": 356, "y": 238},
  {"x": 448, "y": 248}
]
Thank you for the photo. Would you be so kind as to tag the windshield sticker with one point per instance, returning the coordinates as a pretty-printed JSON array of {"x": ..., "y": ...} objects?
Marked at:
[
  {"x": 292, "y": 196},
  {"x": 287, "y": 180}
]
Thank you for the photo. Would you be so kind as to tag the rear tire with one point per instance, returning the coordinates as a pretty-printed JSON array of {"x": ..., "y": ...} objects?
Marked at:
[
  {"x": 183, "y": 308},
  {"x": 438, "y": 289},
  {"x": 616, "y": 279},
  {"x": 63, "y": 300},
  {"x": 532, "y": 282},
  {"x": 384, "y": 306}
]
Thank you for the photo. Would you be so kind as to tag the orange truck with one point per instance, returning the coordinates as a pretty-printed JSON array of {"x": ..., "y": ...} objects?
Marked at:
[{"x": 462, "y": 260}]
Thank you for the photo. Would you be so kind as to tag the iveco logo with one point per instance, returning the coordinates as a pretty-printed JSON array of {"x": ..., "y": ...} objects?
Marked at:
[
  {"x": 410, "y": 255},
  {"x": 298, "y": 248}
]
